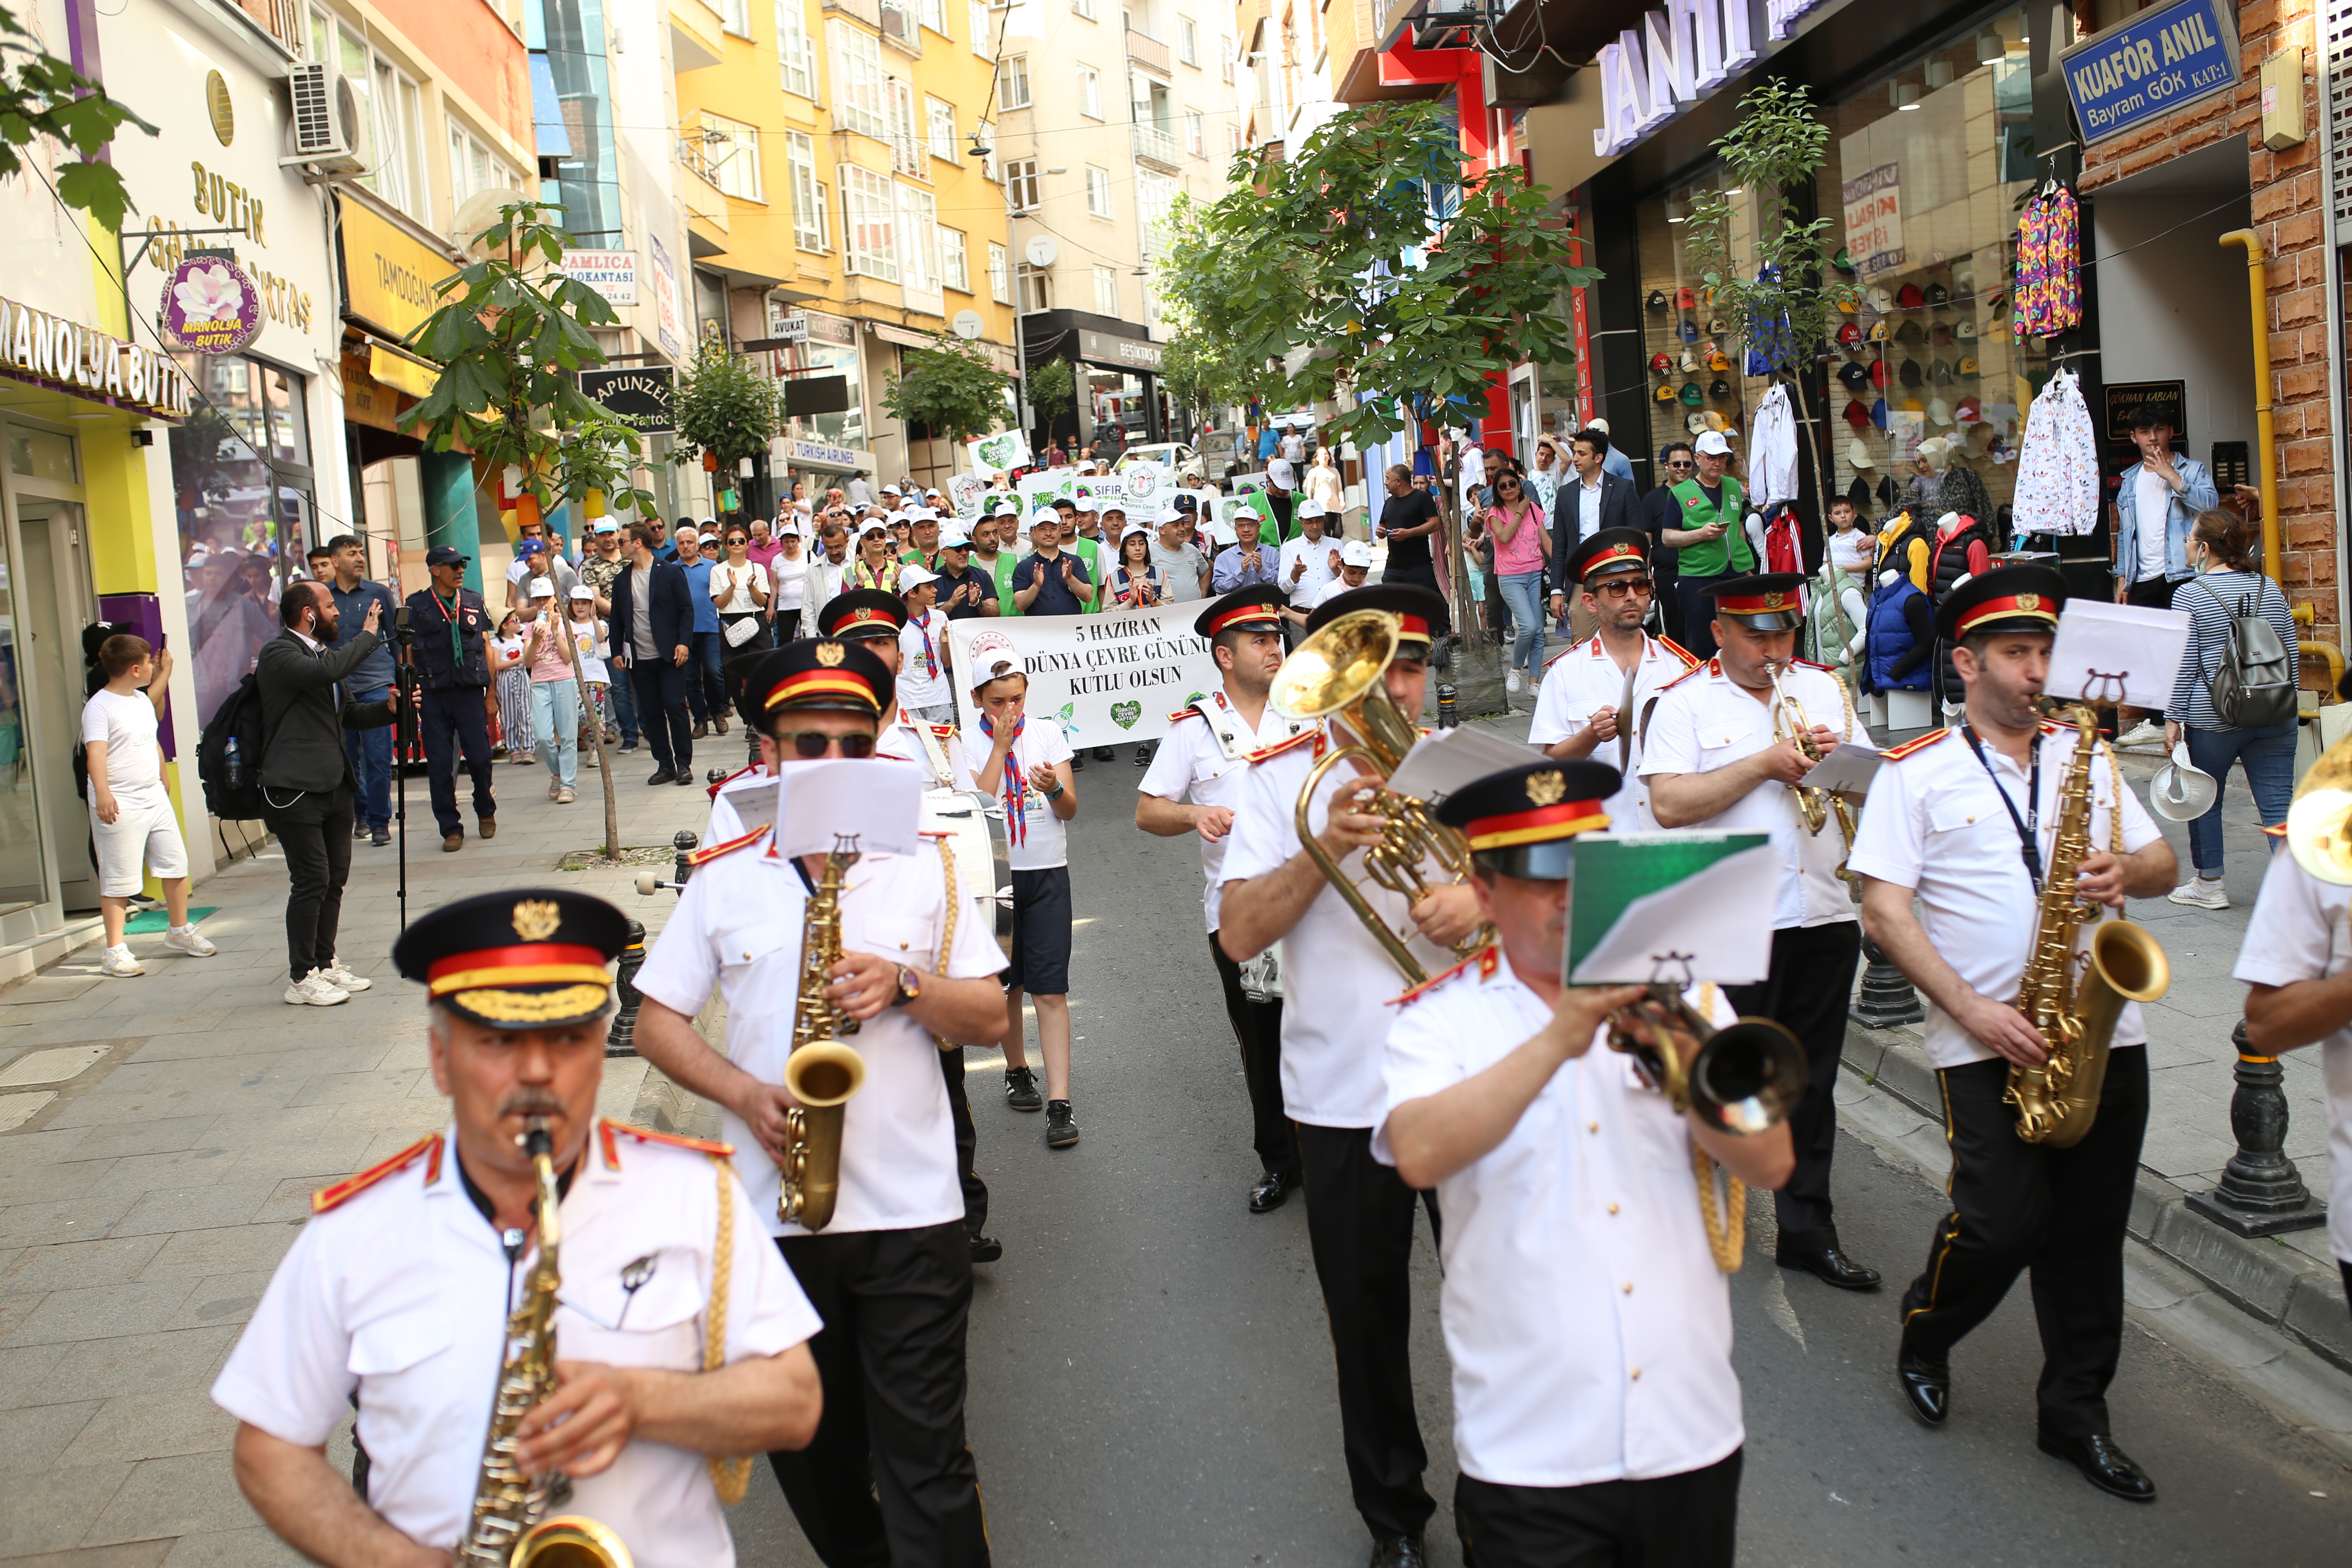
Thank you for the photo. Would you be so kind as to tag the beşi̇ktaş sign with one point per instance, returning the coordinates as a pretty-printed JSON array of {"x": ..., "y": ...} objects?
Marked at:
[
  {"x": 1103, "y": 678},
  {"x": 35, "y": 345}
]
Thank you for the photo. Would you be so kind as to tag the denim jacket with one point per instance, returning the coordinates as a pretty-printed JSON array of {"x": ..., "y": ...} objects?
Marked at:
[{"x": 2200, "y": 496}]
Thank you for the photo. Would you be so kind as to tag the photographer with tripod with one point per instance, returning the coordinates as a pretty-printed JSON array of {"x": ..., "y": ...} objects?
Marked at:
[{"x": 450, "y": 654}]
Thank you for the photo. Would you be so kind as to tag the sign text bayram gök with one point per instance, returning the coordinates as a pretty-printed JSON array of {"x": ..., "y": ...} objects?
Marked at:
[
  {"x": 1114, "y": 661},
  {"x": 2136, "y": 60}
]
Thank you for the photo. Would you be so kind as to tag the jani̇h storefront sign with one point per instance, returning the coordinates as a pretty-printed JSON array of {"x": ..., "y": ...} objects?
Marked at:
[
  {"x": 2140, "y": 70},
  {"x": 1684, "y": 51}
]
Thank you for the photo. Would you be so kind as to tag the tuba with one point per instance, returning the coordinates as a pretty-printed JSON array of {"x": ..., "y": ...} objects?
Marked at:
[
  {"x": 1336, "y": 673},
  {"x": 821, "y": 1072},
  {"x": 2057, "y": 1100},
  {"x": 506, "y": 1529}
]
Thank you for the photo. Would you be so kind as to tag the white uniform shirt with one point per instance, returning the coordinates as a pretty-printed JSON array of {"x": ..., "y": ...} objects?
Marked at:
[
  {"x": 1588, "y": 1325},
  {"x": 1042, "y": 840},
  {"x": 738, "y": 927},
  {"x": 1706, "y": 722},
  {"x": 1335, "y": 977},
  {"x": 1191, "y": 764},
  {"x": 401, "y": 1293},
  {"x": 1320, "y": 573},
  {"x": 923, "y": 665},
  {"x": 2299, "y": 932},
  {"x": 1583, "y": 679},
  {"x": 1935, "y": 822}
]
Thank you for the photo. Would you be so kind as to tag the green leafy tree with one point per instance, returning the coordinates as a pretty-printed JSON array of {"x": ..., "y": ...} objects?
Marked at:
[
  {"x": 1374, "y": 272},
  {"x": 1204, "y": 376},
  {"x": 724, "y": 407},
  {"x": 43, "y": 97},
  {"x": 1053, "y": 388},
  {"x": 512, "y": 336},
  {"x": 950, "y": 387}
]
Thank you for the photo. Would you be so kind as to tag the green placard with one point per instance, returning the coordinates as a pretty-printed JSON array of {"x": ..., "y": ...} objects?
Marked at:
[{"x": 1615, "y": 872}]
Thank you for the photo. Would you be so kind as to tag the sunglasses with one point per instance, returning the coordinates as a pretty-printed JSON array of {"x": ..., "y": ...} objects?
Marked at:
[
  {"x": 1679, "y": 462},
  {"x": 1619, "y": 587},
  {"x": 810, "y": 744}
]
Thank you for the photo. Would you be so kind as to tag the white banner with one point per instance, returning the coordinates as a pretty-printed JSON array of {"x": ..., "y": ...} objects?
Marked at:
[
  {"x": 1106, "y": 678},
  {"x": 1000, "y": 453}
]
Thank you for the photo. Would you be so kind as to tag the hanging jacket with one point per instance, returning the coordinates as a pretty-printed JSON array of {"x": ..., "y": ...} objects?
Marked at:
[
  {"x": 1963, "y": 549},
  {"x": 2058, "y": 484},
  {"x": 1783, "y": 551},
  {"x": 1838, "y": 612},
  {"x": 1900, "y": 627},
  {"x": 1904, "y": 543},
  {"x": 1772, "y": 450}
]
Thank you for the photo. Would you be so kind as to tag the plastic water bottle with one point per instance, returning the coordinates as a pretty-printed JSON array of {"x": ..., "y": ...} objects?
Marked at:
[{"x": 235, "y": 765}]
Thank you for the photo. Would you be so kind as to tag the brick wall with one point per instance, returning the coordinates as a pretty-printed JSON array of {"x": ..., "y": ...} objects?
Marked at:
[{"x": 2290, "y": 214}]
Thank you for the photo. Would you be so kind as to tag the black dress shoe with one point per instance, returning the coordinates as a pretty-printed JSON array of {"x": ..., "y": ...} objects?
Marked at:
[
  {"x": 1397, "y": 1552},
  {"x": 1926, "y": 1385},
  {"x": 1270, "y": 1191},
  {"x": 685, "y": 779},
  {"x": 1830, "y": 1264},
  {"x": 985, "y": 1248},
  {"x": 2103, "y": 1465},
  {"x": 662, "y": 776}
]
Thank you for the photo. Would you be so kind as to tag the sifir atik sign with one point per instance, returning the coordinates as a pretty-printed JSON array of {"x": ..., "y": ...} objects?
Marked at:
[
  {"x": 2143, "y": 69},
  {"x": 1684, "y": 52}
]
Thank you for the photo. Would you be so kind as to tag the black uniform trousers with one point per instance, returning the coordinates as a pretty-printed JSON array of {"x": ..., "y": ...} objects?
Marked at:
[
  {"x": 454, "y": 722},
  {"x": 888, "y": 1479},
  {"x": 314, "y": 831},
  {"x": 1689, "y": 1521},
  {"x": 1360, "y": 1224},
  {"x": 967, "y": 1140},
  {"x": 1810, "y": 985},
  {"x": 1258, "y": 1026},
  {"x": 2058, "y": 1212}
]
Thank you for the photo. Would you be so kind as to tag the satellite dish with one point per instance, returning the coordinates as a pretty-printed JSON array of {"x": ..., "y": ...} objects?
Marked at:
[
  {"x": 967, "y": 324},
  {"x": 1043, "y": 251},
  {"x": 479, "y": 211}
]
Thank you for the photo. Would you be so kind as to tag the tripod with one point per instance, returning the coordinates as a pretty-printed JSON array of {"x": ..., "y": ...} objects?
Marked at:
[{"x": 403, "y": 726}]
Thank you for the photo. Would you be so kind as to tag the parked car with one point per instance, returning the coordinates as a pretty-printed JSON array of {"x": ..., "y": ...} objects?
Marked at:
[{"x": 1174, "y": 455}]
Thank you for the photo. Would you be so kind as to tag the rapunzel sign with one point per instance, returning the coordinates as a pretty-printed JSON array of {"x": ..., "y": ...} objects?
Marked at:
[{"x": 211, "y": 306}]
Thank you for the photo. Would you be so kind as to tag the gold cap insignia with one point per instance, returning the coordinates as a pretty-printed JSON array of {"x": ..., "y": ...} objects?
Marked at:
[
  {"x": 1774, "y": 601},
  {"x": 2029, "y": 601},
  {"x": 830, "y": 654},
  {"x": 1547, "y": 788},
  {"x": 536, "y": 920}
]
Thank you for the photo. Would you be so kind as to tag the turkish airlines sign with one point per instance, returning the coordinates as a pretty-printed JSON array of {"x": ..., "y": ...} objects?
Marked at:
[{"x": 1682, "y": 54}]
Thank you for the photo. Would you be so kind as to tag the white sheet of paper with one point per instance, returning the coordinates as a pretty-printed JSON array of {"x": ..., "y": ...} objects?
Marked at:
[
  {"x": 879, "y": 801},
  {"x": 1703, "y": 928},
  {"x": 1444, "y": 760},
  {"x": 754, "y": 800},
  {"x": 1848, "y": 769},
  {"x": 2116, "y": 653}
]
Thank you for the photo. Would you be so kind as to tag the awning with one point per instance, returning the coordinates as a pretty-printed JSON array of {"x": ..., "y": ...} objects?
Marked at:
[
  {"x": 906, "y": 337},
  {"x": 410, "y": 375}
]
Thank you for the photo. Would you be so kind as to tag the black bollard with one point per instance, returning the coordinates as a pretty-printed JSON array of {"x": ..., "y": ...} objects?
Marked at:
[
  {"x": 2261, "y": 1193},
  {"x": 1886, "y": 996},
  {"x": 683, "y": 843},
  {"x": 1447, "y": 697},
  {"x": 622, "y": 1040}
]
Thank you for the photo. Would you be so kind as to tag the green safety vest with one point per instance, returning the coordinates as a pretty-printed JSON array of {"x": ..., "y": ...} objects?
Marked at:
[{"x": 1730, "y": 553}]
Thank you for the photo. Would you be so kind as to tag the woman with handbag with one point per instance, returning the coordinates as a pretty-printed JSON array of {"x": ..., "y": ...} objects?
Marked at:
[
  {"x": 740, "y": 589},
  {"x": 1522, "y": 547},
  {"x": 2235, "y": 699}
]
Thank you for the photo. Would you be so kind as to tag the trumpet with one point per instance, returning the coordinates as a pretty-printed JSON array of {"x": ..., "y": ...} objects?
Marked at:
[
  {"x": 1789, "y": 722},
  {"x": 1337, "y": 673}
]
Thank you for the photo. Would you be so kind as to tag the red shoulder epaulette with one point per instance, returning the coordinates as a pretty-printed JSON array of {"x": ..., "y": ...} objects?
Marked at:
[
  {"x": 1711, "y": 666},
  {"x": 1680, "y": 652},
  {"x": 709, "y": 853},
  {"x": 1916, "y": 743},
  {"x": 1315, "y": 734},
  {"x": 349, "y": 1187},
  {"x": 2051, "y": 726},
  {"x": 1183, "y": 713},
  {"x": 608, "y": 1133},
  {"x": 730, "y": 778},
  {"x": 1808, "y": 664},
  {"x": 1488, "y": 959},
  {"x": 943, "y": 730}
]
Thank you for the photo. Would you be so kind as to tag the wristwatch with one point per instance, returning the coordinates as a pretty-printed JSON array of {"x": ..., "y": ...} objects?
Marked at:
[{"x": 910, "y": 985}]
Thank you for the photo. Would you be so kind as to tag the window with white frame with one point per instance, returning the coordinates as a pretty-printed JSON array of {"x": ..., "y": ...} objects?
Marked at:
[
  {"x": 1154, "y": 196},
  {"x": 392, "y": 115},
  {"x": 1090, "y": 92},
  {"x": 811, "y": 222},
  {"x": 729, "y": 154},
  {"x": 984, "y": 30},
  {"x": 735, "y": 16},
  {"x": 1232, "y": 140},
  {"x": 999, "y": 274},
  {"x": 1188, "y": 41},
  {"x": 1106, "y": 291},
  {"x": 1150, "y": 306},
  {"x": 1021, "y": 185},
  {"x": 1226, "y": 58},
  {"x": 1097, "y": 191},
  {"x": 934, "y": 15},
  {"x": 868, "y": 224},
  {"x": 795, "y": 55},
  {"x": 474, "y": 168},
  {"x": 1084, "y": 7},
  {"x": 1196, "y": 138},
  {"x": 939, "y": 122},
  {"x": 955, "y": 266},
  {"x": 857, "y": 81},
  {"x": 918, "y": 237},
  {"x": 1013, "y": 83},
  {"x": 905, "y": 137},
  {"x": 1036, "y": 290}
]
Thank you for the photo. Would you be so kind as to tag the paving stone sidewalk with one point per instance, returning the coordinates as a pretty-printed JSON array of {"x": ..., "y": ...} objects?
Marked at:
[{"x": 143, "y": 1207}]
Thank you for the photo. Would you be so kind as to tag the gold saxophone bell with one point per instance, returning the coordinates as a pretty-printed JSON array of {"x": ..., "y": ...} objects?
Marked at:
[
  {"x": 1337, "y": 673},
  {"x": 825, "y": 1074},
  {"x": 2319, "y": 823},
  {"x": 821, "y": 1072},
  {"x": 571, "y": 1541}
]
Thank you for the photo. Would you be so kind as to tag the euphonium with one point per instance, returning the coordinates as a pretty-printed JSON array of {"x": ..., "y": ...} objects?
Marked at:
[
  {"x": 821, "y": 1073},
  {"x": 1790, "y": 723},
  {"x": 1336, "y": 673},
  {"x": 506, "y": 1529},
  {"x": 2057, "y": 1100}
]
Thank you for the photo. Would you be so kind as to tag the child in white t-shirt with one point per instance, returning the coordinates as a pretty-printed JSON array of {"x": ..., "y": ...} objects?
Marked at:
[
  {"x": 1028, "y": 771},
  {"x": 131, "y": 824}
]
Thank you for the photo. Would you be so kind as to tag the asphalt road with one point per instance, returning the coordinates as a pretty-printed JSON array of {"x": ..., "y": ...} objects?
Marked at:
[{"x": 1151, "y": 1378}]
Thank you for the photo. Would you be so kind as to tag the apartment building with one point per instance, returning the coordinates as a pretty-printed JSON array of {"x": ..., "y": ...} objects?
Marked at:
[{"x": 1288, "y": 80}]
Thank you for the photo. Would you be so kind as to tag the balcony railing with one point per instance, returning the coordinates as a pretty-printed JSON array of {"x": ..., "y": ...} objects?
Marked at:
[
  {"x": 1146, "y": 50},
  {"x": 281, "y": 19},
  {"x": 1153, "y": 145},
  {"x": 900, "y": 27}
]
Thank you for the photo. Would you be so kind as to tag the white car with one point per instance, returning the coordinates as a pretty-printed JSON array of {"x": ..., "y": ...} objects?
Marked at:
[{"x": 1174, "y": 455}]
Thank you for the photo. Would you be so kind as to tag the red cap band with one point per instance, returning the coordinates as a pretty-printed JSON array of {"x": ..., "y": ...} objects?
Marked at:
[
  {"x": 1755, "y": 603},
  {"x": 1252, "y": 614},
  {"x": 1610, "y": 557},
  {"x": 1409, "y": 625},
  {"x": 810, "y": 682},
  {"x": 1564, "y": 820},
  {"x": 525, "y": 964},
  {"x": 2038, "y": 605}
]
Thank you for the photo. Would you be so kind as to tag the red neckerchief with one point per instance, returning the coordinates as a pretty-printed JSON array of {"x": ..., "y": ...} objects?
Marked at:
[
  {"x": 1016, "y": 809},
  {"x": 930, "y": 657}
]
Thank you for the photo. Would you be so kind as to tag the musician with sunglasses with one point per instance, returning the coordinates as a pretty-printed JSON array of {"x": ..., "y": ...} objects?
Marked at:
[
  {"x": 888, "y": 1477},
  {"x": 1597, "y": 694}
]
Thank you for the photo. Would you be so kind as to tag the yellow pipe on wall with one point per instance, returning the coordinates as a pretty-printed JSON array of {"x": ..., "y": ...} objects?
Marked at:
[{"x": 2259, "y": 290}]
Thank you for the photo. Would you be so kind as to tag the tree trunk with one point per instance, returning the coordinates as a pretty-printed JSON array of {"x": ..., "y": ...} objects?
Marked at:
[{"x": 604, "y": 764}]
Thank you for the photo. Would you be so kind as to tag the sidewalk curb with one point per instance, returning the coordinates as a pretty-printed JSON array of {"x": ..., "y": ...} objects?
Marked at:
[{"x": 2265, "y": 1278}]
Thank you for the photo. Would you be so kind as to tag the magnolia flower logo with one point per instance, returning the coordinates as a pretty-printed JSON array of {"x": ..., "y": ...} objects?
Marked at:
[{"x": 209, "y": 294}]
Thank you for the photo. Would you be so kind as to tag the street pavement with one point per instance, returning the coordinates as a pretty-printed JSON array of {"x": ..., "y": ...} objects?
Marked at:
[{"x": 1151, "y": 1378}]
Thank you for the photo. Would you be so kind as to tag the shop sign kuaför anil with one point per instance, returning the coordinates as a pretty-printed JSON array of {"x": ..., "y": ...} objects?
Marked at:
[{"x": 2140, "y": 70}]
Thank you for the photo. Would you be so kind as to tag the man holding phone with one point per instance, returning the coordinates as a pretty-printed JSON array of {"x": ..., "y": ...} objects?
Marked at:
[{"x": 1709, "y": 506}]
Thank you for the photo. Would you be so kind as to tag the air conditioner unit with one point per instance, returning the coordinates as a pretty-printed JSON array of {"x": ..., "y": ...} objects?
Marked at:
[
  {"x": 326, "y": 121},
  {"x": 1449, "y": 24}
]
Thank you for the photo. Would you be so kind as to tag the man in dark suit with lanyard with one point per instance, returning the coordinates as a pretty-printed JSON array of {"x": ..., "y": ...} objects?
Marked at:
[{"x": 451, "y": 653}]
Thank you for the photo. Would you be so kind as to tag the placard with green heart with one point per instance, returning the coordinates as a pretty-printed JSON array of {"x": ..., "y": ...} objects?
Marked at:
[{"x": 1125, "y": 714}]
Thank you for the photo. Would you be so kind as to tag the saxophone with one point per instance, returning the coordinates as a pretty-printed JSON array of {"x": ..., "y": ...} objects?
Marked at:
[
  {"x": 2057, "y": 1100},
  {"x": 506, "y": 1529},
  {"x": 821, "y": 1072}
]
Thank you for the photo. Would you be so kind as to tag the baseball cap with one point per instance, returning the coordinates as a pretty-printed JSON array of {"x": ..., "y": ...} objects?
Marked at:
[
  {"x": 1688, "y": 330},
  {"x": 1939, "y": 412},
  {"x": 922, "y": 514},
  {"x": 892, "y": 490},
  {"x": 1686, "y": 300},
  {"x": 1964, "y": 330},
  {"x": 1718, "y": 360},
  {"x": 1857, "y": 414},
  {"x": 1967, "y": 369},
  {"x": 1130, "y": 530},
  {"x": 913, "y": 576},
  {"x": 1660, "y": 363},
  {"x": 1696, "y": 425},
  {"x": 1849, "y": 334},
  {"x": 1858, "y": 454},
  {"x": 1910, "y": 332},
  {"x": 1713, "y": 444},
  {"x": 1938, "y": 296},
  {"x": 604, "y": 525},
  {"x": 1910, "y": 375},
  {"x": 788, "y": 529},
  {"x": 1880, "y": 300},
  {"x": 1693, "y": 393},
  {"x": 1665, "y": 394},
  {"x": 1006, "y": 509},
  {"x": 1045, "y": 514},
  {"x": 1657, "y": 300},
  {"x": 582, "y": 591},
  {"x": 1854, "y": 375},
  {"x": 541, "y": 588},
  {"x": 1355, "y": 552},
  {"x": 1970, "y": 410},
  {"x": 1719, "y": 387},
  {"x": 1308, "y": 507},
  {"x": 530, "y": 547},
  {"x": 445, "y": 555},
  {"x": 1910, "y": 298}
]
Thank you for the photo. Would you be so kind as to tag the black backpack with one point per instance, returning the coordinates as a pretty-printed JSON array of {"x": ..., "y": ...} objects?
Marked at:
[
  {"x": 229, "y": 755},
  {"x": 2254, "y": 685}
]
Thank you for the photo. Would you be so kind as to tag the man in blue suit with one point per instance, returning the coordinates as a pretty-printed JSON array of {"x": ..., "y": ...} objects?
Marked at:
[{"x": 653, "y": 636}]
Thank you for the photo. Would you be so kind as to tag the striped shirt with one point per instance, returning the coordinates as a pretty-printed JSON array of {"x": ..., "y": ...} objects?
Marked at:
[{"x": 2213, "y": 602}]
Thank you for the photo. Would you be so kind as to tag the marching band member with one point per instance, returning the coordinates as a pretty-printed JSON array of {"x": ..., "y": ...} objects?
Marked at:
[
  {"x": 1965, "y": 821},
  {"x": 1194, "y": 785},
  {"x": 1359, "y": 1211},
  {"x": 1596, "y": 1414},
  {"x": 1720, "y": 752},
  {"x": 1596, "y": 695},
  {"x": 396, "y": 1294},
  {"x": 888, "y": 1477}
]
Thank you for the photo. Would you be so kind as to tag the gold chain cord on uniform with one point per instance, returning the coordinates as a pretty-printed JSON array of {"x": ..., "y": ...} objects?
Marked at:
[
  {"x": 1727, "y": 1242},
  {"x": 947, "y": 940},
  {"x": 732, "y": 1477}
]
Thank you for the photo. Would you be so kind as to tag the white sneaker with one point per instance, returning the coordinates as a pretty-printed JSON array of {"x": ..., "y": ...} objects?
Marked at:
[
  {"x": 315, "y": 990},
  {"x": 565, "y": 797},
  {"x": 344, "y": 979},
  {"x": 1512, "y": 682},
  {"x": 120, "y": 963},
  {"x": 2201, "y": 894},
  {"x": 187, "y": 939},
  {"x": 2143, "y": 733}
]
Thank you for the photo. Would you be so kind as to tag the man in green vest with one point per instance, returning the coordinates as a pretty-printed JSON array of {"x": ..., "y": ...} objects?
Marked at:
[
  {"x": 996, "y": 549},
  {"x": 1711, "y": 543}
]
